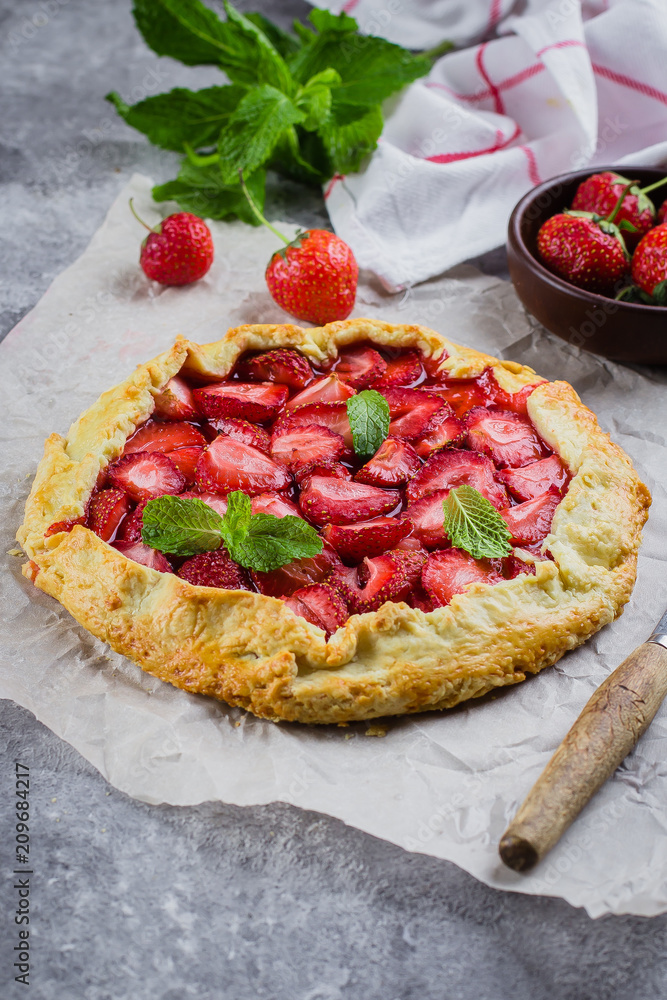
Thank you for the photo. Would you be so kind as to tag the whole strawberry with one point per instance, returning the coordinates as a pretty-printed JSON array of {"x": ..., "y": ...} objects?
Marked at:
[
  {"x": 662, "y": 213},
  {"x": 600, "y": 192},
  {"x": 314, "y": 277},
  {"x": 649, "y": 265},
  {"x": 178, "y": 251},
  {"x": 585, "y": 250}
]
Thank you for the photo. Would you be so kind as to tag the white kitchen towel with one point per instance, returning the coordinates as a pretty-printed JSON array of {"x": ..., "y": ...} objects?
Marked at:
[{"x": 562, "y": 85}]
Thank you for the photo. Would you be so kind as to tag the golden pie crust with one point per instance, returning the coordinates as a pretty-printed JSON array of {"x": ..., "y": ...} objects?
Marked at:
[{"x": 251, "y": 651}]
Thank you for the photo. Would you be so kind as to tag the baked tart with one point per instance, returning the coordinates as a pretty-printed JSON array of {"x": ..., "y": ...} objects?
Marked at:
[{"x": 338, "y": 523}]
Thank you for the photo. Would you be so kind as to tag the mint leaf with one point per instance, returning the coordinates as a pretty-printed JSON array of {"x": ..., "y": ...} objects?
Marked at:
[
  {"x": 202, "y": 191},
  {"x": 237, "y": 517},
  {"x": 189, "y": 31},
  {"x": 474, "y": 524},
  {"x": 251, "y": 58},
  {"x": 249, "y": 138},
  {"x": 301, "y": 156},
  {"x": 324, "y": 20},
  {"x": 314, "y": 99},
  {"x": 183, "y": 29},
  {"x": 348, "y": 143},
  {"x": 370, "y": 68},
  {"x": 284, "y": 43},
  {"x": 182, "y": 527},
  {"x": 273, "y": 541},
  {"x": 170, "y": 120},
  {"x": 368, "y": 413}
]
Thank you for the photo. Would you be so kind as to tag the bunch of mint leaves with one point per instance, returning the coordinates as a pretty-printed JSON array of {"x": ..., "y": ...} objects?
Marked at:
[{"x": 307, "y": 105}]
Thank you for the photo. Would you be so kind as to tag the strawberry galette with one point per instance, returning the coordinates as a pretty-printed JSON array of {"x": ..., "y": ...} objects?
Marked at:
[{"x": 336, "y": 523}]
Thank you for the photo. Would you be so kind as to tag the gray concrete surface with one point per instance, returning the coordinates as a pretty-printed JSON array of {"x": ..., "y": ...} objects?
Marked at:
[{"x": 160, "y": 903}]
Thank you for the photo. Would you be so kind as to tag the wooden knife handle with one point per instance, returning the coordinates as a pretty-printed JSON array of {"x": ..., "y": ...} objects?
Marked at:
[{"x": 608, "y": 728}]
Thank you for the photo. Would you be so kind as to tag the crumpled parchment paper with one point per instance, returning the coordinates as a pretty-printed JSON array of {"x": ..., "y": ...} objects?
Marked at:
[{"x": 441, "y": 784}]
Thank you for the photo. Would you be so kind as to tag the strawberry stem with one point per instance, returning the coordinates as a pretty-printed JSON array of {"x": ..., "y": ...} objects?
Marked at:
[
  {"x": 617, "y": 207},
  {"x": 139, "y": 219},
  {"x": 653, "y": 186},
  {"x": 257, "y": 212}
]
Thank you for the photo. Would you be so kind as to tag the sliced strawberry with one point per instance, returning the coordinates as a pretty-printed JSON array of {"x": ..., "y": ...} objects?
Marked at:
[
  {"x": 393, "y": 464},
  {"x": 410, "y": 544},
  {"x": 461, "y": 394},
  {"x": 507, "y": 438},
  {"x": 330, "y": 389},
  {"x": 465, "y": 393},
  {"x": 432, "y": 365},
  {"x": 335, "y": 501},
  {"x": 452, "y": 571},
  {"x": 105, "y": 512},
  {"x": 366, "y": 538},
  {"x": 303, "y": 611},
  {"x": 154, "y": 436},
  {"x": 331, "y": 415},
  {"x": 274, "y": 503},
  {"x": 403, "y": 370},
  {"x": 411, "y": 411},
  {"x": 146, "y": 475},
  {"x": 320, "y": 605},
  {"x": 130, "y": 529},
  {"x": 281, "y": 365},
  {"x": 295, "y": 446},
  {"x": 427, "y": 517},
  {"x": 175, "y": 401},
  {"x": 282, "y": 582},
  {"x": 144, "y": 554},
  {"x": 516, "y": 401},
  {"x": 513, "y": 567},
  {"x": 254, "y": 401},
  {"x": 368, "y": 586},
  {"x": 185, "y": 460},
  {"x": 413, "y": 561},
  {"x": 453, "y": 467},
  {"x": 58, "y": 526},
  {"x": 228, "y": 465},
  {"x": 215, "y": 569},
  {"x": 536, "y": 478},
  {"x": 304, "y": 474},
  {"x": 360, "y": 366},
  {"x": 443, "y": 429},
  {"x": 419, "y": 599},
  {"x": 213, "y": 500},
  {"x": 530, "y": 522},
  {"x": 242, "y": 430}
]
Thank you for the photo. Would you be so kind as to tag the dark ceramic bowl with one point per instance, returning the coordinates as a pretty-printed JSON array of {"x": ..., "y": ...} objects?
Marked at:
[{"x": 621, "y": 331}]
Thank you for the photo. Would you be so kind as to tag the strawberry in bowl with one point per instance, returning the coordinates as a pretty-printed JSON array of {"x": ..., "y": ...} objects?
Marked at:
[{"x": 576, "y": 269}]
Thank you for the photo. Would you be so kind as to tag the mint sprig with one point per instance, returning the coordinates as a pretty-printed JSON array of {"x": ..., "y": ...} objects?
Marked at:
[
  {"x": 181, "y": 527},
  {"x": 307, "y": 104},
  {"x": 368, "y": 413},
  {"x": 186, "y": 526},
  {"x": 474, "y": 524}
]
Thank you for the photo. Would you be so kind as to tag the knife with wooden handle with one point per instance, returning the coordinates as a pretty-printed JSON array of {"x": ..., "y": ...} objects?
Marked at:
[{"x": 608, "y": 728}]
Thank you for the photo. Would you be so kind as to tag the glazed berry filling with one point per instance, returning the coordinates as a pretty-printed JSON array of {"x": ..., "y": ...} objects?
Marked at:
[{"x": 277, "y": 429}]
